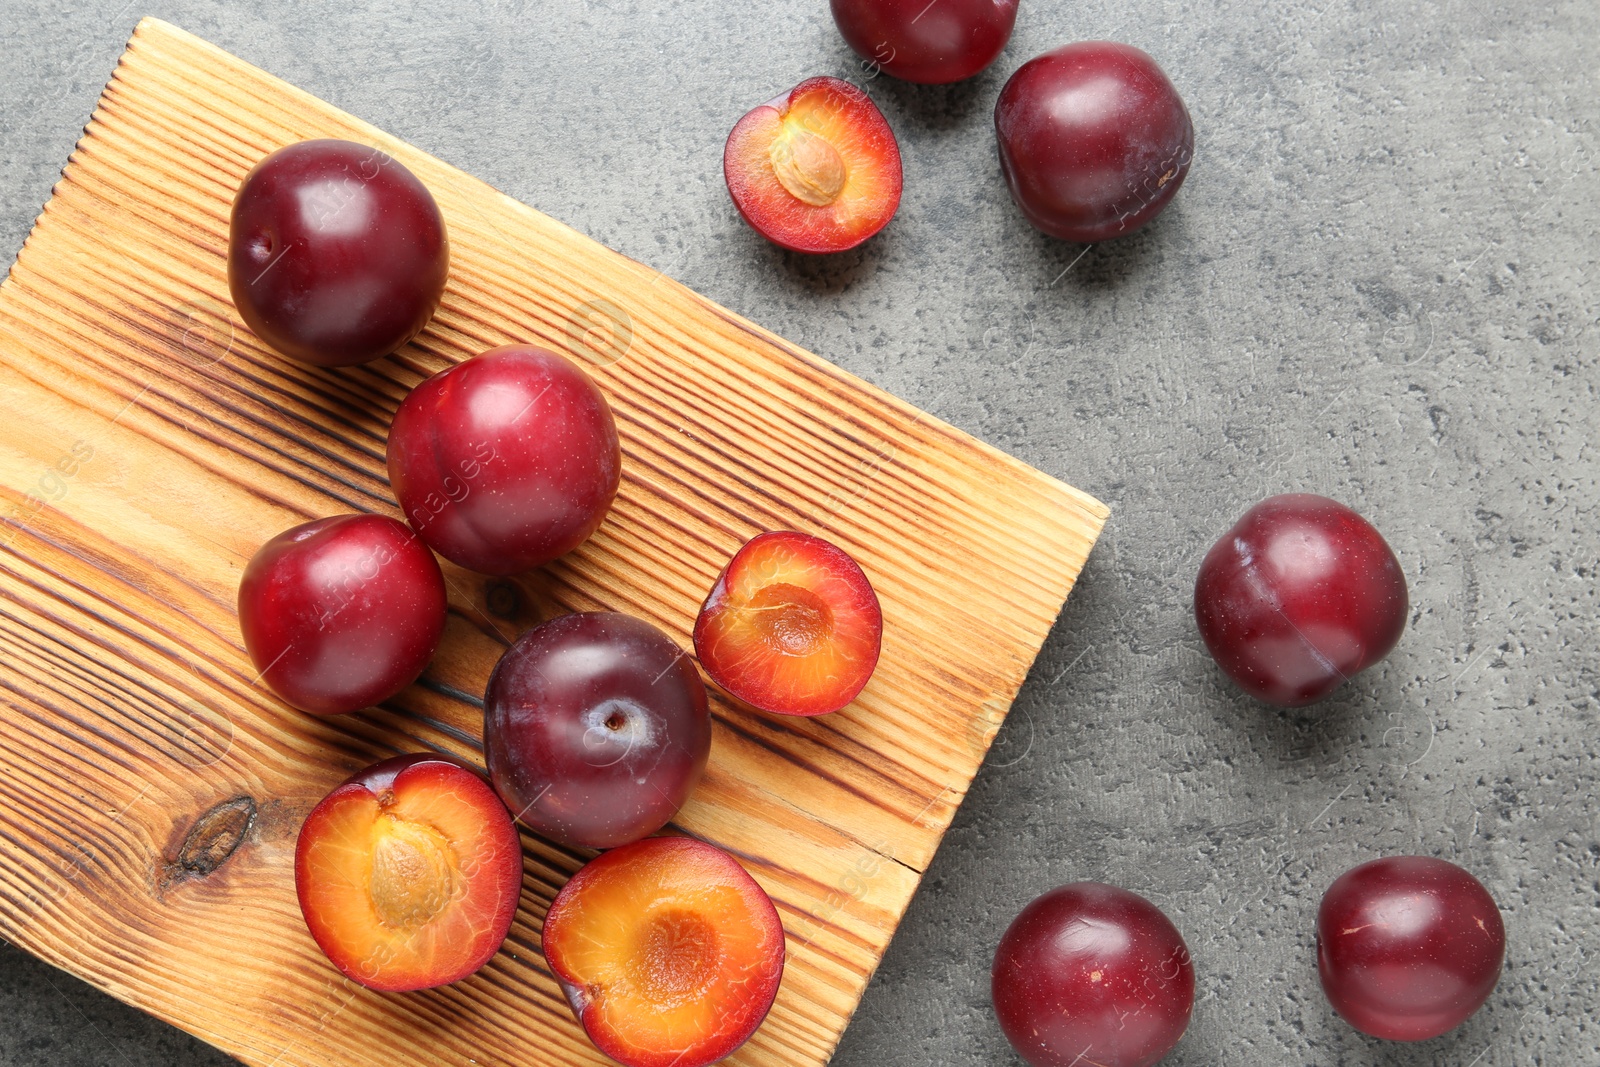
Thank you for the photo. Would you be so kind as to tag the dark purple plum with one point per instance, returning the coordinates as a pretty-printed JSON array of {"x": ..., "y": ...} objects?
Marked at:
[
  {"x": 930, "y": 43},
  {"x": 1299, "y": 596},
  {"x": 1089, "y": 973},
  {"x": 1094, "y": 140},
  {"x": 596, "y": 729},
  {"x": 1408, "y": 947},
  {"x": 337, "y": 254}
]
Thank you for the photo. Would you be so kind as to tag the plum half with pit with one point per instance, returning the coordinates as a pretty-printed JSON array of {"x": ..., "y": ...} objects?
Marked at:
[
  {"x": 930, "y": 43},
  {"x": 668, "y": 951},
  {"x": 815, "y": 170},
  {"x": 506, "y": 461},
  {"x": 596, "y": 729},
  {"x": 1408, "y": 947},
  {"x": 409, "y": 873},
  {"x": 1299, "y": 596},
  {"x": 1094, "y": 140},
  {"x": 342, "y": 613},
  {"x": 1090, "y": 973},
  {"x": 337, "y": 254}
]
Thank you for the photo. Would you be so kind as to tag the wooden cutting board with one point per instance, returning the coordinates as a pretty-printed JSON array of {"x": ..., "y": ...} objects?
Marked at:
[{"x": 150, "y": 792}]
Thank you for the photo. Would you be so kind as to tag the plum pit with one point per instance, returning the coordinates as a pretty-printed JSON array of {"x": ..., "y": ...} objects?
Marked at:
[
  {"x": 413, "y": 873},
  {"x": 808, "y": 166}
]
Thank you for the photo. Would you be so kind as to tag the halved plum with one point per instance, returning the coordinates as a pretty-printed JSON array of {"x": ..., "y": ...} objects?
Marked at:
[
  {"x": 792, "y": 626},
  {"x": 409, "y": 872},
  {"x": 815, "y": 170},
  {"x": 669, "y": 952}
]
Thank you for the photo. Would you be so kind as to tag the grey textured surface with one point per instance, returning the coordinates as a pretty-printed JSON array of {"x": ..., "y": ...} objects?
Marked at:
[{"x": 1378, "y": 284}]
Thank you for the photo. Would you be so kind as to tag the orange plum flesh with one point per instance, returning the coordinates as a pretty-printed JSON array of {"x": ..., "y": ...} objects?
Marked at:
[
  {"x": 409, "y": 873},
  {"x": 792, "y": 626},
  {"x": 817, "y": 169},
  {"x": 669, "y": 952}
]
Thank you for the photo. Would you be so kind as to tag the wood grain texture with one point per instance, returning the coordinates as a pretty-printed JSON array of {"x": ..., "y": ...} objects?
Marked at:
[{"x": 150, "y": 791}]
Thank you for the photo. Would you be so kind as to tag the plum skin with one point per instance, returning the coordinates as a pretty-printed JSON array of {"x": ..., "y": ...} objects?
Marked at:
[
  {"x": 342, "y": 613},
  {"x": 1300, "y": 595},
  {"x": 505, "y": 461},
  {"x": 337, "y": 254},
  {"x": 1408, "y": 947},
  {"x": 1089, "y": 966},
  {"x": 931, "y": 44},
  {"x": 596, "y": 729},
  {"x": 1094, "y": 140}
]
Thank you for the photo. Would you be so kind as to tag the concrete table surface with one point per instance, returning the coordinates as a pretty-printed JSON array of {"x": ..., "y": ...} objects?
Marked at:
[{"x": 1379, "y": 283}]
